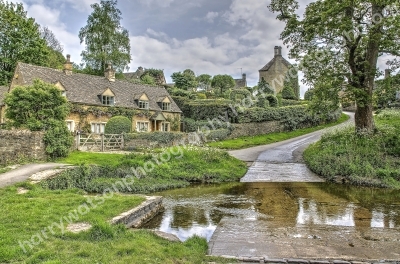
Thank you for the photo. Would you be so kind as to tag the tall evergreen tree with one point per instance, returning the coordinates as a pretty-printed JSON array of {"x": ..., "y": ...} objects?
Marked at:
[
  {"x": 105, "y": 39},
  {"x": 19, "y": 40}
]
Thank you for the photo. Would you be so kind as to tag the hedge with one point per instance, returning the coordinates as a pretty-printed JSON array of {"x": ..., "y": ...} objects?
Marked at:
[
  {"x": 158, "y": 136},
  {"x": 191, "y": 125},
  {"x": 219, "y": 134},
  {"x": 207, "y": 109},
  {"x": 288, "y": 102},
  {"x": 292, "y": 117}
]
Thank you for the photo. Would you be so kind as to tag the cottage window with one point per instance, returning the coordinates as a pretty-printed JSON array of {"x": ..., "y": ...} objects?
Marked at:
[
  {"x": 107, "y": 100},
  {"x": 70, "y": 125},
  {"x": 142, "y": 126},
  {"x": 63, "y": 93},
  {"x": 98, "y": 128},
  {"x": 166, "y": 106},
  {"x": 165, "y": 127},
  {"x": 143, "y": 104}
]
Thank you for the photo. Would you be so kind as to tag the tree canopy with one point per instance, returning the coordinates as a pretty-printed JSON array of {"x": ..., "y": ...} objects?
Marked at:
[
  {"x": 338, "y": 44},
  {"x": 222, "y": 83},
  {"x": 185, "y": 80},
  {"x": 41, "y": 107},
  {"x": 105, "y": 39},
  {"x": 20, "y": 40},
  {"x": 204, "y": 81}
]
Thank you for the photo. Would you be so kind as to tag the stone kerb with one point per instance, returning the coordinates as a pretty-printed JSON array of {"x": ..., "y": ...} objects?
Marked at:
[{"x": 141, "y": 214}]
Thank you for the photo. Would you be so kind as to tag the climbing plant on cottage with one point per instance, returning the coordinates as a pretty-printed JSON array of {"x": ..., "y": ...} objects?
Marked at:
[{"x": 41, "y": 107}]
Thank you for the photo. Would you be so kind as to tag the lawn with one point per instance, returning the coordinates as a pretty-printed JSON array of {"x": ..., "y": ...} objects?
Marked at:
[
  {"x": 369, "y": 160},
  {"x": 157, "y": 170},
  {"x": 246, "y": 142},
  {"x": 31, "y": 216}
]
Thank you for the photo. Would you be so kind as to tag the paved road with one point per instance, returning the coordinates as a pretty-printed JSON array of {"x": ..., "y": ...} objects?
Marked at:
[
  {"x": 24, "y": 172},
  {"x": 282, "y": 161}
]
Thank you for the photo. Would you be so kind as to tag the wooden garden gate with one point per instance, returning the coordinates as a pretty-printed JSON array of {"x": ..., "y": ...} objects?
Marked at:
[{"x": 99, "y": 142}]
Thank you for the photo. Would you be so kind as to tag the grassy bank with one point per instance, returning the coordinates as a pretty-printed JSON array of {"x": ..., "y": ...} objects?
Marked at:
[
  {"x": 155, "y": 171},
  {"x": 246, "y": 142},
  {"x": 360, "y": 160},
  {"x": 31, "y": 216}
]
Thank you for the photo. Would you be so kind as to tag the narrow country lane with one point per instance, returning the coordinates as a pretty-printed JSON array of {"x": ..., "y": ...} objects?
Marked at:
[
  {"x": 282, "y": 161},
  {"x": 24, "y": 172}
]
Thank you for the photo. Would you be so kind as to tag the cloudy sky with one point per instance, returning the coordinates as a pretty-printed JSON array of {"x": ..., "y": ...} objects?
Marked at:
[{"x": 207, "y": 36}]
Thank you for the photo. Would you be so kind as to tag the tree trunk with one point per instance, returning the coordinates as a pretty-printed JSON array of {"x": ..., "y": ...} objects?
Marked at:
[{"x": 364, "y": 120}]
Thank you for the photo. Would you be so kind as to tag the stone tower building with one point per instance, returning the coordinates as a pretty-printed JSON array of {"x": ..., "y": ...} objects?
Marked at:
[{"x": 274, "y": 72}]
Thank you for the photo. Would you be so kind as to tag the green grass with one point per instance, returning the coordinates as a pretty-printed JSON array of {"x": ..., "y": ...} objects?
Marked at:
[
  {"x": 95, "y": 158},
  {"x": 27, "y": 215},
  {"x": 157, "y": 170},
  {"x": 4, "y": 170},
  {"x": 246, "y": 142},
  {"x": 369, "y": 160}
]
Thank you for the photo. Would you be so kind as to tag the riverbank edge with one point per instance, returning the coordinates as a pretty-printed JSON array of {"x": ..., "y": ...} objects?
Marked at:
[{"x": 247, "y": 259}]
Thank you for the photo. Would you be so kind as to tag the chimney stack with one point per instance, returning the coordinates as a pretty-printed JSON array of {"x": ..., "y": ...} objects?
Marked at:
[
  {"x": 109, "y": 73},
  {"x": 278, "y": 51},
  {"x": 68, "y": 66},
  {"x": 387, "y": 73}
]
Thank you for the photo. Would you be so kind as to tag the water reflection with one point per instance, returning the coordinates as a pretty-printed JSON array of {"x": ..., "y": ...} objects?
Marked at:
[{"x": 198, "y": 210}]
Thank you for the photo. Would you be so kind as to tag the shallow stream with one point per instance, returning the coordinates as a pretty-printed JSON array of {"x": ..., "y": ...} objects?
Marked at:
[{"x": 199, "y": 209}]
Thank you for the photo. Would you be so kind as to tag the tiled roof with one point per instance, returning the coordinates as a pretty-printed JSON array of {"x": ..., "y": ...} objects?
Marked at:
[
  {"x": 86, "y": 89},
  {"x": 3, "y": 92},
  {"x": 269, "y": 64}
]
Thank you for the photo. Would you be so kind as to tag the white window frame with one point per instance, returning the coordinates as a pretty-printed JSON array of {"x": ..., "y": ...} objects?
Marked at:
[
  {"x": 97, "y": 127},
  {"x": 166, "y": 106},
  {"x": 163, "y": 124},
  {"x": 143, "y": 104},
  {"x": 107, "y": 100},
  {"x": 70, "y": 125},
  {"x": 141, "y": 125}
]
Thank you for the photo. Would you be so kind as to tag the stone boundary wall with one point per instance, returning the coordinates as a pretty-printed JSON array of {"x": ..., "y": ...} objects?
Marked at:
[
  {"x": 254, "y": 129},
  {"x": 187, "y": 139},
  {"x": 141, "y": 214},
  {"x": 21, "y": 144},
  {"x": 306, "y": 261}
]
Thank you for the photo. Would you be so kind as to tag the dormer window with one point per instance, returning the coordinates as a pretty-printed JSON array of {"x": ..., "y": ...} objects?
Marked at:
[
  {"x": 107, "y": 100},
  {"x": 143, "y": 104},
  {"x": 166, "y": 106},
  {"x": 107, "y": 97},
  {"x": 142, "y": 101},
  {"x": 164, "y": 103},
  {"x": 64, "y": 93}
]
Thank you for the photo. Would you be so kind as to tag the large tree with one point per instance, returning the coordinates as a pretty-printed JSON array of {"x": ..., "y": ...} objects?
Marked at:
[
  {"x": 185, "y": 80},
  {"x": 222, "y": 83},
  {"x": 204, "y": 81},
  {"x": 20, "y": 40},
  {"x": 55, "y": 58},
  {"x": 338, "y": 43},
  {"x": 41, "y": 107},
  {"x": 105, "y": 39}
]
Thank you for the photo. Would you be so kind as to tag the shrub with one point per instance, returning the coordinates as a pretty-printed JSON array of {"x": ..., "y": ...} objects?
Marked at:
[
  {"x": 201, "y": 96},
  {"x": 219, "y": 134},
  {"x": 41, "y": 107},
  {"x": 57, "y": 139},
  {"x": 288, "y": 102},
  {"x": 262, "y": 102},
  {"x": 272, "y": 100},
  {"x": 118, "y": 125}
]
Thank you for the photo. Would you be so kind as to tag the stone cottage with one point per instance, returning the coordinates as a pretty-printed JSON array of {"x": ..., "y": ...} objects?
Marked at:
[
  {"x": 275, "y": 71},
  {"x": 94, "y": 98}
]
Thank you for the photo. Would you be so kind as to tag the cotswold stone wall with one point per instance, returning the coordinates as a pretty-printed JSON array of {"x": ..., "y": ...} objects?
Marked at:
[
  {"x": 20, "y": 144},
  {"x": 254, "y": 129}
]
